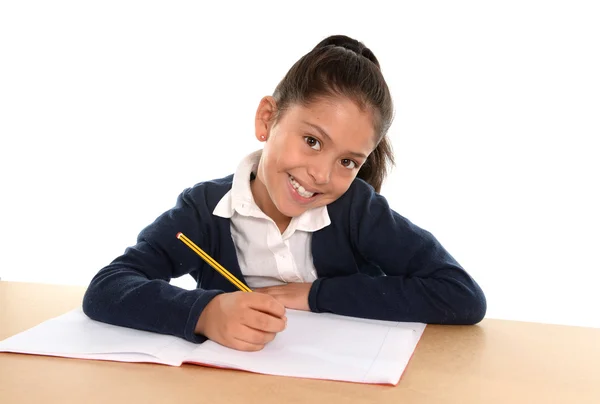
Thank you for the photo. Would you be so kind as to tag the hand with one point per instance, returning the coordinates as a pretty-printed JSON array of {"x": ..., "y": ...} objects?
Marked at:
[
  {"x": 242, "y": 320},
  {"x": 291, "y": 295}
]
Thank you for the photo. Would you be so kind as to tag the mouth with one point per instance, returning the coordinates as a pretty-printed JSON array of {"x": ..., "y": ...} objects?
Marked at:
[{"x": 300, "y": 190}]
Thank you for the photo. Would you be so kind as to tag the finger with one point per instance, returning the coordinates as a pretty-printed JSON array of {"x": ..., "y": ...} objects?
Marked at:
[
  {"x": 255, "y": 337},
  {"x": 241, "y": 345},
  {"x": 266, "y": 304},
  {"x": 258, "y": 320}
]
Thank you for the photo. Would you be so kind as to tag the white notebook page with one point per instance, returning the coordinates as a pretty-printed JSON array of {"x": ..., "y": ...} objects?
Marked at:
[{"x": 320, "y": 346}]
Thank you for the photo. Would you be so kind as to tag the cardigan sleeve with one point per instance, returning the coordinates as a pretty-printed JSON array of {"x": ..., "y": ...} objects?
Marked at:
[
  {"x": 134, "y": 291},
  {"x": 420, "y": 281}
]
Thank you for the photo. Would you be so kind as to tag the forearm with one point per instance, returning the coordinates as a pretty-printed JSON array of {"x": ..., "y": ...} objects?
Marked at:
[
  {"x": 443, "y": 299},
  {"x": 125, "y": 297}
]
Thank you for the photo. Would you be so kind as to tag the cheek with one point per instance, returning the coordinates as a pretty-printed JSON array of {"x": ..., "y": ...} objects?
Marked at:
[
  {"x": 270, "y": 159},
  {"x": 289, "y": 160},
  {"x": 280, "y": 154}
]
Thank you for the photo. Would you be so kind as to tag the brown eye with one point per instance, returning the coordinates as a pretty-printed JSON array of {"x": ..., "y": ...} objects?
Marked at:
[
  {"x": 349, "y": 164},
  {"x": 312, "y": 142}
]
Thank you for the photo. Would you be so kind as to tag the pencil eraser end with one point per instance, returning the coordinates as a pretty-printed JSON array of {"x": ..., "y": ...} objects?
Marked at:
[{"x": 178, "y": 235}]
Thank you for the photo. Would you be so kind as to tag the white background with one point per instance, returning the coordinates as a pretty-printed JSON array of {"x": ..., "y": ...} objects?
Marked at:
[{"x": 108, "y": 110}]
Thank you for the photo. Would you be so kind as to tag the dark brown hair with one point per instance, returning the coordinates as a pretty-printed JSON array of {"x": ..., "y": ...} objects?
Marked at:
[{"x": 342, "y": 66}]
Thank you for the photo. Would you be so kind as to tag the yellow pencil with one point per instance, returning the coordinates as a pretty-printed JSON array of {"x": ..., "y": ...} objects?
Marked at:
[{"x": 210, "y": 261}]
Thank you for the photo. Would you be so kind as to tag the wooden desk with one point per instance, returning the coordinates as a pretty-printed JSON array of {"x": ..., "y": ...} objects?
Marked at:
[{"x": 494, "y": 362}]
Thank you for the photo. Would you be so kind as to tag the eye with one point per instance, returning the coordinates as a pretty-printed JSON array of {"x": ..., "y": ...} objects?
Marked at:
[
  {"x": 349, "y": 164},
  {"x": 312, "y": 142}
]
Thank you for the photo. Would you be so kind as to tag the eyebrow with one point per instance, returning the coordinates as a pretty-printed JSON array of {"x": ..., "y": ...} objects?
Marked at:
[{"x": 325, "y": 135}]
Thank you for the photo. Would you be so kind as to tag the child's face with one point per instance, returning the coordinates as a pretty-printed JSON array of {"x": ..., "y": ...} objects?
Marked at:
[{"x": 312, "y": 154}]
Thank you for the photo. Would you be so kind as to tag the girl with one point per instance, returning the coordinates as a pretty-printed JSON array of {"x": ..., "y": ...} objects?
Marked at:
[{"x": 301, "y": 222}]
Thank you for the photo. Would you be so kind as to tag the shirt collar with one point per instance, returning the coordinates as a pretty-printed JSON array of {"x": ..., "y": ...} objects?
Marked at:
[{"x": 239, "y": 199}]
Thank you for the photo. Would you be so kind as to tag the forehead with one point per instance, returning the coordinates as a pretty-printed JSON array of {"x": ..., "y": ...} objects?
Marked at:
[{"x": 348, "y": 126}]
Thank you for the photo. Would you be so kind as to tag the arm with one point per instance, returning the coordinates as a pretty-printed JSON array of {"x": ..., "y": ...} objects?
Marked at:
[
  {"x": 134, "y": 290},
  {"x": 422, "y": 281}
]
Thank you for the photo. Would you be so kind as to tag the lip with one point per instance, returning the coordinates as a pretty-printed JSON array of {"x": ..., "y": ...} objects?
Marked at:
[
  {"x": 314, "y": 191},
  {"x": 297, "y": 197}
]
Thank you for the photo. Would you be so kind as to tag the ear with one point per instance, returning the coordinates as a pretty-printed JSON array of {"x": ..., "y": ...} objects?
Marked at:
[{"x": 264, "y": 118}]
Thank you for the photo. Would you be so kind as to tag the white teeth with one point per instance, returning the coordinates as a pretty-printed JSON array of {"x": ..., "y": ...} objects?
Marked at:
[{"x": 303, "y": 192}]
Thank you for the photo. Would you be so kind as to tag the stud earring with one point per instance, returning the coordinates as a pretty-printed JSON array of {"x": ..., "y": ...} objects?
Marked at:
[{"x": 263, "y": 137}]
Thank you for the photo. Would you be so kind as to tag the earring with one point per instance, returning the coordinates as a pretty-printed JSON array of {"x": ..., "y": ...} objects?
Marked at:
[{"x": 263, "y": 137}]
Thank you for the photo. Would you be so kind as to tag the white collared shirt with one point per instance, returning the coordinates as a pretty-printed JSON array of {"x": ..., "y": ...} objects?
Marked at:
[{"x": 266, "y": 256}]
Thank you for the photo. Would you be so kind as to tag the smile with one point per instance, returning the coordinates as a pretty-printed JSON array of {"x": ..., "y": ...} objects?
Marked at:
[{"x": 300, "y": 189}]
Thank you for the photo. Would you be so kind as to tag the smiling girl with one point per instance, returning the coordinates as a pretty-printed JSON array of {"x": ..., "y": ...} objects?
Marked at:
[{"x": 301, "y": 222}]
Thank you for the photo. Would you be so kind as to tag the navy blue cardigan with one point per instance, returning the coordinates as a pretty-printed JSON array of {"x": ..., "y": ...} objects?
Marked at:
[{"x": 370, "y": 262}]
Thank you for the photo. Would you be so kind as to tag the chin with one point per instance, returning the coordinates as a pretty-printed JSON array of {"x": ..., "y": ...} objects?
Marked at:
[{"x": 291, "y": 211}]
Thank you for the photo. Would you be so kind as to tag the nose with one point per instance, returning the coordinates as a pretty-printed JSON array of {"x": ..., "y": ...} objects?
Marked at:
[{"x": 320, "y": 171}]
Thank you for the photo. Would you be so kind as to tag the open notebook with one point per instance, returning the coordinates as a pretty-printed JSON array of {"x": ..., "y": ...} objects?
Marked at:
[{"x": 318, "y": 346}]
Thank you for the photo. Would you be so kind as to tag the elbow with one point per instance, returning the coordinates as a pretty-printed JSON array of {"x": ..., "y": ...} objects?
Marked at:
[
  {"x": 88, "y": 304},
  {"x": 472, "y": 307},
  {"x": 474, "y": 311},
  {"x": 103, "y": 294},
  {"x": 461, "y": 303},
  {"x": 94, "y": 301}
]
